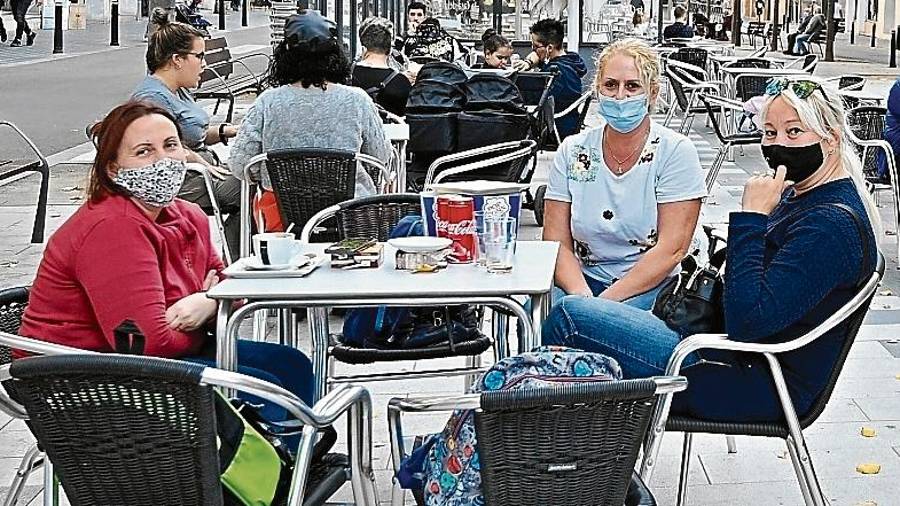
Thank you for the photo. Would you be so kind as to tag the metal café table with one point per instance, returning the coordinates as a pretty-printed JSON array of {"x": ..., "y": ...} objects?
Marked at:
[{"x": 531, "y": 276}]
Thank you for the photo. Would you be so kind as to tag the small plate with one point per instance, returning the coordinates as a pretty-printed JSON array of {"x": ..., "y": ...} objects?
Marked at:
[
  {"x": 420, "y": 244},
  {"x": 253, "y": 263}
]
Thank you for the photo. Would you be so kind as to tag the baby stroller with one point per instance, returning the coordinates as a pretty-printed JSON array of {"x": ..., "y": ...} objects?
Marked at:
[
  {"x": 188, "y": 14},
  {"x": 448, "y": 112}
]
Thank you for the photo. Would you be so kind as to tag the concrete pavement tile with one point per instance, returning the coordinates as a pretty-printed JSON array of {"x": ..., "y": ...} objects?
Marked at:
[
  {"x": 871, "y": 368},
  {"x": 880, "y": 408},
  {"x": 868, "y": 349},
  {"x": 828, "y": 436},
  {"x": 752, "y": 466},
  {"x": 842, "y": 410},
  {"x": 15, "y": 440},
  {"x": 28, "y": 494},
  {"x": 666, "y": 475},
  {"x": 781, "y": 493},
  {"x": 856, "y": 388},
  {"x": 856, "y": 491},
  {"x": 878, "y": 332}
]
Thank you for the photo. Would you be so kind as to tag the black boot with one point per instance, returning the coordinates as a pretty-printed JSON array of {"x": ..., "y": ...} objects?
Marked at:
[
  {"x": 3, "y": 36},
  {"x": 15, "y": 43},
  {"x": 29, "y": 39}
]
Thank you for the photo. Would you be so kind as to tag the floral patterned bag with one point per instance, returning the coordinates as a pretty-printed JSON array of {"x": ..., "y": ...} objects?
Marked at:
[{"x": 452, "y": 474}]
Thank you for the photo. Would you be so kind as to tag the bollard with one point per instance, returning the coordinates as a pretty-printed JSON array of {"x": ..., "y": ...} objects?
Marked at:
[
  {"x": 114, "y": 23},
  {"x": 221, "y": 14},
  {"x": 893, "y": 63},
  {"x": 244, "y": 5},
  {"x": 852, "y": 33},
  {"x": 57, "y": 28},
  {"x": 873, "y": 35}
]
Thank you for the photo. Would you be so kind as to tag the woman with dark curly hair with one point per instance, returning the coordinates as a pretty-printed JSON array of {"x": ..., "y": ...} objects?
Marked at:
[{"x": 308, "y": 106}]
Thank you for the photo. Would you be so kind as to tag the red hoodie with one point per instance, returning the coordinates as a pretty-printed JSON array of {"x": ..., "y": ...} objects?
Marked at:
[{"x": 108, "y": 263}]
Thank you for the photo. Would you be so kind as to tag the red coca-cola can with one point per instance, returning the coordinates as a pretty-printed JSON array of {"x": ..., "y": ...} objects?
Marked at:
[{"x": 455, "y": 221}]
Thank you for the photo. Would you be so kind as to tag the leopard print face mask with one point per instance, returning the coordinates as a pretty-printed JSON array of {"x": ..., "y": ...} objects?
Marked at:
[{"x": 156, "y": 184}]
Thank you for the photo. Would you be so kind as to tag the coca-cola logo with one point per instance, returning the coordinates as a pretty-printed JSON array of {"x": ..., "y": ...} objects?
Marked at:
[{"x": 463, "y": 227}]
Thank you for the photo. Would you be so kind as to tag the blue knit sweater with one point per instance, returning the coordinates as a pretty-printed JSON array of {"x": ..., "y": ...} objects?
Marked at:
[{"x": 786, "y": 273}]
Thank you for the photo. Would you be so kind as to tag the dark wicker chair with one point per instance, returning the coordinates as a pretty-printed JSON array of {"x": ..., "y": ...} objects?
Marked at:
[
  {"x": 727, "y": 140},
  {"x": 790, "y": 428},
  {"x": 305, "y": 181},
  {"x": 142, "y": 431},
  {"x": 370, "y": 217},
  {"x": 13, "y": 302},
  {"x": 14, "y": 168},
  {"x": 695, "y": 56},
  {"x": 750, "y": 85},
  {"x": 580, "y": 459},
  {"x": 750, "y": 63},
  {"x": 866, "y": 126}
]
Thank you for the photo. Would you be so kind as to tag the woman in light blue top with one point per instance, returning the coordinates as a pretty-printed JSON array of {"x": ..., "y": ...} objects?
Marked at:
[
  {"x": 624, "y": 198},
  {"x": 175, "y": 60}
]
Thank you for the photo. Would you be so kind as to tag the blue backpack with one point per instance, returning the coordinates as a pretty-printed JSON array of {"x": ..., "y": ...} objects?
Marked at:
[{"x": 447, "y": 468}]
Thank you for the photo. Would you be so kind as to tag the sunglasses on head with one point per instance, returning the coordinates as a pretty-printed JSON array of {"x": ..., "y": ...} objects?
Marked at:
[{"x": 801, "y": 87}]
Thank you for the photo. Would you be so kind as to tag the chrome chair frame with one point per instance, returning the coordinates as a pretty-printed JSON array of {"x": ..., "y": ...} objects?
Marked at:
[
  {"x": 40, "y": 166},
  {"x": 892, "y": 169},
  {"x": 796, "y": 444},
  {"x": 351, "y": 399},
  {"x": 217, "y": 213},
  {"x": 680, "y": 73},
  {"x": 525, "y": 149},
  {"x": 665, "y": 385}
]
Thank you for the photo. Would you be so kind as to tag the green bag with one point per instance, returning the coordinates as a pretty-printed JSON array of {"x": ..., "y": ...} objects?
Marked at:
[{"x": 251, "y": 468}]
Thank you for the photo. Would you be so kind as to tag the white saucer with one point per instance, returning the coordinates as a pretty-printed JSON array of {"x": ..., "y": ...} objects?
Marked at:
[
  {"x": 420, "y": 244},
  {"x": 253, "y": 263}
]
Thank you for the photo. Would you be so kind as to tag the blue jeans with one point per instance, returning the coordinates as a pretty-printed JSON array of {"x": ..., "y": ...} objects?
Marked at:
[
  {"x": 722, "y": 386},
  {"x": 800, "y": 46},
  {"x": 281, "y": 365},
  {"x": 638, "y": 340},
  {"x": 643, "y": 300}
]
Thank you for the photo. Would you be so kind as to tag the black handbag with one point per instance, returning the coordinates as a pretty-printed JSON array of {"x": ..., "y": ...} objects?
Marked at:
[{"x": 691, "y": 302}]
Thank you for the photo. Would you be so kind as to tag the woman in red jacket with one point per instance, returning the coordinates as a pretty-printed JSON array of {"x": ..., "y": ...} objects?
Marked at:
[{"x": 135, "y": 252}]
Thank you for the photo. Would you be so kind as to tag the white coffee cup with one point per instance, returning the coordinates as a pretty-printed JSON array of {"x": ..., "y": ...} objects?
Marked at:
[{"x": 275, "y": 248}]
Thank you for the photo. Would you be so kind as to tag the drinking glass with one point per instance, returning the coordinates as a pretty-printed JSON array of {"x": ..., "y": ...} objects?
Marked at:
[{"x": 498, "y": 241}]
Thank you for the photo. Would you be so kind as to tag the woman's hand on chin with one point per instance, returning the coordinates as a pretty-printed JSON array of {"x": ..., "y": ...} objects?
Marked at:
[{"x": 763, "y": 192}]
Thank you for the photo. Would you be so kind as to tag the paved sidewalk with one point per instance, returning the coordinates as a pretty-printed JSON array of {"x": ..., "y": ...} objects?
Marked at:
[
  {"x": 96, "y": 37},
  {"x": 759, "y": 474}
]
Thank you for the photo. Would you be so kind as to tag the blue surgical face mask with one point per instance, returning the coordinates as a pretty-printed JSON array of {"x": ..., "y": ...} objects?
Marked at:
[{"x": 623, "y": 115}]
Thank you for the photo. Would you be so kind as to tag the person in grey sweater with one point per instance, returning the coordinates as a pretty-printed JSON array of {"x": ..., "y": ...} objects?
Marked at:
[{"x": 307, "y": 107}]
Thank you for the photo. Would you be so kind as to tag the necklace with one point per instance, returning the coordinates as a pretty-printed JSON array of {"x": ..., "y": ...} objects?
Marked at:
[{"x": 621, "y": 163}]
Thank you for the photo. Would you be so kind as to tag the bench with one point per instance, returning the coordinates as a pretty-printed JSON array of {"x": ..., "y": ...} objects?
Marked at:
[
  {"x": 12, "y": 170},
  {"x": 219, "y": 81}
]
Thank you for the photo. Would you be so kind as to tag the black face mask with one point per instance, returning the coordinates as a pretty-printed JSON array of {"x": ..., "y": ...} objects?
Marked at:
[{"x": 800, "y": 161}]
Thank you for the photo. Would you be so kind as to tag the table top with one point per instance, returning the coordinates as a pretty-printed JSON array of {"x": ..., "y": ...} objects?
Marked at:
[
  {"x": 769, "y": 72},
  {"x": 532, "y": 273},
  {"x": 862, "y": 95},
  {"x": 728, "y": 58},
  {"x": 396, "y": 132}
]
